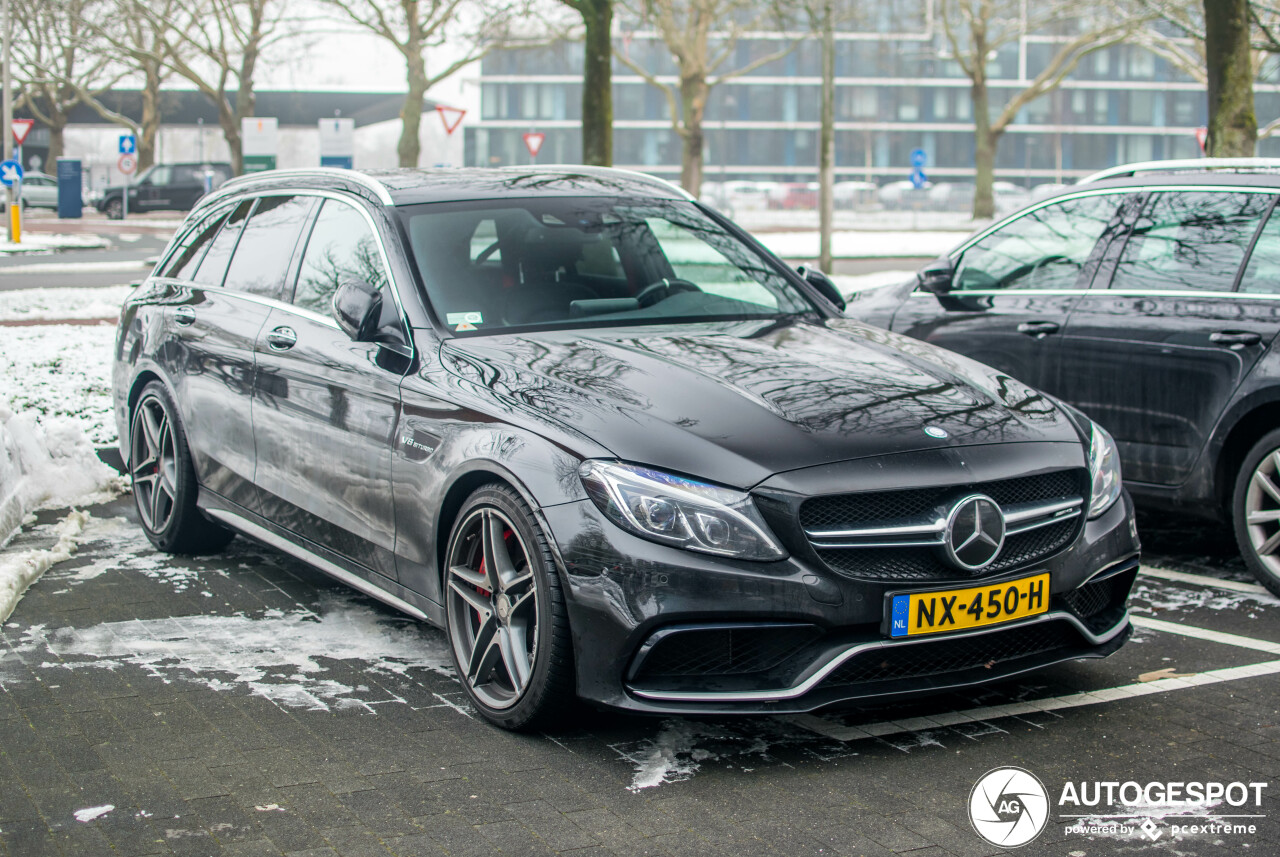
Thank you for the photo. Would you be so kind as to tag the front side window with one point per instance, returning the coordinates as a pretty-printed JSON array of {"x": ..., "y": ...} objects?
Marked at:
[
  {"x": 1043, "y": 249},
  {"x": 1190, "y": 241},
  {"x": 588, "y": 262},
  {"x": 190, "y": 250},
  {"x": 342, "y": 248},
  {"x": 262, "y": 257},
  {"x": 160, "y": 175}
]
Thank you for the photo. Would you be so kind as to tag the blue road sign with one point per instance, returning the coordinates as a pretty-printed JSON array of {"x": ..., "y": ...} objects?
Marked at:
[
  {"x": 128, "y": 144},
  {"x": 10, "y": 173},
  {"x": 919, "y": 158},
  {"x": 918, "y": 178}
]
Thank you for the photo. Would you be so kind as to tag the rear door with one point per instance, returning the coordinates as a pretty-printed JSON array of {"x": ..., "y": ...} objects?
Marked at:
[
  {"x": 1155, "y": 356},
  {"x": 1014, "y": 286},
  {"x": 326, "y": 407}
]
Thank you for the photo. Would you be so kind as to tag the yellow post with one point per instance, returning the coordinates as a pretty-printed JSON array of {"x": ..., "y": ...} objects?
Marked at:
[{"x": 15, "y": 221}]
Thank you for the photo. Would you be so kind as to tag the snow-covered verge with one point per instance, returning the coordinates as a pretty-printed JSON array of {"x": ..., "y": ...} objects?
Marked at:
[
  {"x": 60, "y": 371},
  {"x": 46, "y": 242},
  {"x": 863, "y": 245},
  {"x": 41, "y": 304}
]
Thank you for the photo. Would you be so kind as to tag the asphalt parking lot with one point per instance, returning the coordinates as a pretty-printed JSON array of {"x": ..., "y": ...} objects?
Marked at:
[{"x": 246, "y": 705}]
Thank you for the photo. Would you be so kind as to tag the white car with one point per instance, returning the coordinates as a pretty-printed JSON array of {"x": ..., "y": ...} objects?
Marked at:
[{"x": 39, "y": 191}]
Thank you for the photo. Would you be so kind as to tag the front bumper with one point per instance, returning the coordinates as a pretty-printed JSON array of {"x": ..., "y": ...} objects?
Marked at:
[{"x": 809, "y": 638}]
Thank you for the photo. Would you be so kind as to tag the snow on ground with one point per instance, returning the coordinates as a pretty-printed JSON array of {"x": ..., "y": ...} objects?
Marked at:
[
  {"x": 849, "y": 284},
  {"x": 41, "y": 304},
  {"x": 45, "y": 242},
  {"x": 863, "y": 245},
  {"x": 20, "y": 570},
  {"x": 60, "y": 371}
]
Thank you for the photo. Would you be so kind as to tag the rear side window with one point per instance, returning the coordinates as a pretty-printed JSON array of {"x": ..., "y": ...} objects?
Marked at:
[
  {"x": 190, "y": 250},
  {"x": 213, "y": 267},
  {"x": 1044, "y": 249},
  {"x": 1190, "y": 241},
  {"x": 341, "y": 248},
  {"x": 263, "y": 256}
]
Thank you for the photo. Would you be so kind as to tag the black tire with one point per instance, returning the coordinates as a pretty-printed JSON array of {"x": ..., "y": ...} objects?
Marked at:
[
  {"x": 114, "y": 209},
  {"x": 1255, "y": 510},
  {"x": 548, "y": 694},
  {"x": 164, "y": 479}
]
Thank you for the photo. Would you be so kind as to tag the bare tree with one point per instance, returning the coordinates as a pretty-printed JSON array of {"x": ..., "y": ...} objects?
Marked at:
[
  {"x": 597, "y": 80},
  {"x": 418, "y": 27},
  {"x": 702, "y": 36},
  {"x": 56, "y": 63},
  {"x": 977, "y": 29}
]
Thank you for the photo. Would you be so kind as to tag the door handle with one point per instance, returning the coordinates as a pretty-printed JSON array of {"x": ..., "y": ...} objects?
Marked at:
[
  {"x": 184, "y": 316},
  {"x": 1039, "y": 329},
  {"x": 1235, "y": 339},
  {"x": 282, "y": 339}
]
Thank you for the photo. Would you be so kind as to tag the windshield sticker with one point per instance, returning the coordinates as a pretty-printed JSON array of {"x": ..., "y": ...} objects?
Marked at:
[
  {"x": 465, "y": 318},
  {"x": 465, "y": 326}
]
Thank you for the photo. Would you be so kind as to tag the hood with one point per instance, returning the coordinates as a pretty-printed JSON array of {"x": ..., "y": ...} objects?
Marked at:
[{"x": 736, "y": 403}]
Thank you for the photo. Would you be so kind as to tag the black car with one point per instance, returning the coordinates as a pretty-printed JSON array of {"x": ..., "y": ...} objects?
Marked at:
[
  {"x": 1151, "y": 302},
  {"x": 610, "y": 444},
  {"x": 164, "y": 187}
]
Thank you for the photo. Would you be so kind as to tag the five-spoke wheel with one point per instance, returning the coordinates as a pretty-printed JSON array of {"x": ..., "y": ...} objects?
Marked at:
[{"x": 1256, "y": 510}]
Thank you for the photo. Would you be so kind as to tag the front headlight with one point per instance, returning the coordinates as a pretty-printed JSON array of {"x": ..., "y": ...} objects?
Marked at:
[
  {"x": 1104, "y": 467},
  {"x": 679, "y": 511}
]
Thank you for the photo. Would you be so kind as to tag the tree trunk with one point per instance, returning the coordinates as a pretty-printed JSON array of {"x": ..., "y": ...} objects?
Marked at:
[
  {"x": 984, "y": 153},
  {"x": 693, "y": 107},
  {"x": 1233, "y": 127},
  {"x": 150, "y": 125},
  {"x": 410, "y": 146},
  {"x": 827, "y": 141},
  {"x": 597, "y": 84},
  {"x": 230, "y": 121}
]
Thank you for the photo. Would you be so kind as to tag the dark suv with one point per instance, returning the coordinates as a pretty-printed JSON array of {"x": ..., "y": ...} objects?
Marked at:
[
  {"x": 165, "y": 187},
  {"x": 1149, "y": 300},
  {"x": 610, "y": 444}
]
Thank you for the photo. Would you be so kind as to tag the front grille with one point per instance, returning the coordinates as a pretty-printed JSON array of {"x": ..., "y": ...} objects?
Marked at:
[
  {"x": 922, "y": 563},
  {"x": 987, "y": 651},
  {"x": 724, "y": 651}
]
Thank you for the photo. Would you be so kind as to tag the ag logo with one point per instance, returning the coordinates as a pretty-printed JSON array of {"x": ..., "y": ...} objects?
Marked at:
[{"x": 1008, "y": 807}]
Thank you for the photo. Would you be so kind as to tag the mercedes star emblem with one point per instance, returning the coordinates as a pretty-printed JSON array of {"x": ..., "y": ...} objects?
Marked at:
[{"x": 975, "y": 532}]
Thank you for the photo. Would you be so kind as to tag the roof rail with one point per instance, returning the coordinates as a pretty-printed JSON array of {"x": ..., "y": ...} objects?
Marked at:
[
  {"x": 365, "y": 181},
  {"x": 648, "y": 178},
  {"x": 1187, "y": 165}
]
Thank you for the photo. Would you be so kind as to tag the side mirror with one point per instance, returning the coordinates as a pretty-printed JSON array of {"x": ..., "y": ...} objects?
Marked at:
[
  {"x": 357, "y": 306},
  {"x": 936, "y": 277},
  {"x": 823, "y": 284}
]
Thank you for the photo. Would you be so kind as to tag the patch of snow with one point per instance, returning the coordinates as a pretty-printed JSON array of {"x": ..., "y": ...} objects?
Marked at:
[
  {"x": 1161, "y": 597},
  {"x": 849, "y": 284},
  {"x": 863, "y": 245},
  {"x": 86, "y": 815},
  {"x": 39, "y": 304},
  {"x": 18, "y": 571},
  {"x": 47, "y": 242},
  {"x": 274, "y": 656},
  {"x": 137, "y": 266},
  {"x": 60, "y": 370}
]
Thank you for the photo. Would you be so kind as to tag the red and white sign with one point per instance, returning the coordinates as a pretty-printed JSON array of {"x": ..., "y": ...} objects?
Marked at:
[
  {"x": 533, "y": 141},
  {"x": 451, "y": 117},
  {"x": 127, "y": 164},
  {"x": 21, "y": 128},
  {"x": 1202, "y": 137}
]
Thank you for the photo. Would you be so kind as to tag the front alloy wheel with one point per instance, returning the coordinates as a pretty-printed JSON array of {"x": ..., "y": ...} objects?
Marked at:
[
  {"x": 1256, "y": 511},
  {"x": 507, "y": 624}
]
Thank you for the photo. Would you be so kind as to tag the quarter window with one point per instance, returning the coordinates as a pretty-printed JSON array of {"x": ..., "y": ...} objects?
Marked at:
[
  {"x": 1044, "y": 249},
  {"x": 214, "y": 265},
  {"x": 342, "y": 248},
  {"x": 261, "y": 261},
  {"x": 190, "y": 250},
  {"x": 1190, "y": 241},
  {"x": 1262, "y": 275}
]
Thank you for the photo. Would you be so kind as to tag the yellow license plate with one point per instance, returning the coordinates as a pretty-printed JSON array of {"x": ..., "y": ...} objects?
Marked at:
[{"x": 918, "y": 613}]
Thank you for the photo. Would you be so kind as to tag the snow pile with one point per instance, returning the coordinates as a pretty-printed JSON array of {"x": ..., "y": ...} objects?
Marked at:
[
  {"x": 42, "y": 242},
  {"x": 60, "y": 370},
  {"x": 41, "y": 304},
  {"x": 18, "y": 571}
]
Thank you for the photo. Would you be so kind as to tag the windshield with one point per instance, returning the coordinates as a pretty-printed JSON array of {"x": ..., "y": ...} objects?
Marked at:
[{"x": 566, "y": 263}]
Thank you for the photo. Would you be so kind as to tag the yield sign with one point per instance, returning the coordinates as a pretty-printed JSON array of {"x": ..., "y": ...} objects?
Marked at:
[
  {"x": 21, "y": 128},
  {"x": 451, "y": 117},
  {"x": 1202, "y": 137},
  {"x": 533, "y": 141}
]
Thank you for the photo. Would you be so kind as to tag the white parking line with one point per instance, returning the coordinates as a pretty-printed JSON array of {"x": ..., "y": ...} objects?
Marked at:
[
  {"x": 1204, "y": 580},
  {"x": 839, "y": 732}
]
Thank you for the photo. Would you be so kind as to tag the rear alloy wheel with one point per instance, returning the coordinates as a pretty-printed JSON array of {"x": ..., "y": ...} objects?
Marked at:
[
  {"x": 1256, "y": 511},
  {"x": 507, "y": 625},
  {"x": 164, "y": 479}
]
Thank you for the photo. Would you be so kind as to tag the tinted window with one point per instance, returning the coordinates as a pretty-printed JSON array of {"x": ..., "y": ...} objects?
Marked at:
[
  {"x": 1262, "y": 276},
  {"x": 160, "y": 175},
  {"x": 1044, "y": 249},
  {"x": 186, "y": 256},
  {"x": 1190, "y": 240},
  {"x": 261, "y": 261},
  {"x": 214, "y": 265},
  {"x": 342, "y": 247}
]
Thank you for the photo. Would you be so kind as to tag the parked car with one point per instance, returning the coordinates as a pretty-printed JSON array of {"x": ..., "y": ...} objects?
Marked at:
[
  {"x": 1152, "y": 303},
  {"x": 39, "y": 191},
  {"x": 611, "y": 445},
  {"x": 903, "y": 194},
  {"x": 164, "y": 187}
]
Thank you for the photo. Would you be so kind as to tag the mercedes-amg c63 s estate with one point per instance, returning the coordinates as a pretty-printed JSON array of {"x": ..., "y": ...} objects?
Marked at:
[{"x": 612, "y": 446}]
